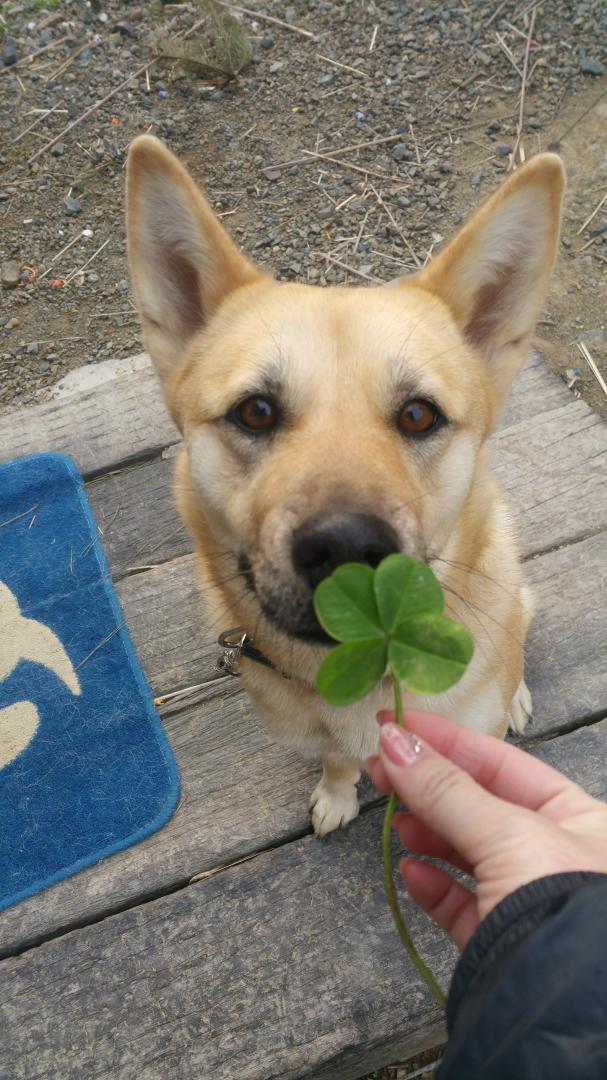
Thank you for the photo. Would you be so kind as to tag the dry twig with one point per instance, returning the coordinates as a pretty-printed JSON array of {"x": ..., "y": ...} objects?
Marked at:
[
  {"x": 583, "y": 349},
  {"x": 347, "y": 164},
  {"x": 495, "y": 14},
  {"x": 70, "y": 244},
  {"x": 68, "y": 62},
  {"x": 33, "y": 55},
  {"x": 88, "y": 112},
  {"x": 47, "y": 112},
  {"x": 404, "y": 239},
  {"x": 346, "y": 67},
  {"x": 339, "y": 150},
  {"x": 84, "y": 265},
  {"x": 352, "y": 270},
  {"x": 592, "y": 215},
  {"x": 521, "y": 115},
  {"x": 270, "y": 19},
  {"x": 508, "y": 54}
]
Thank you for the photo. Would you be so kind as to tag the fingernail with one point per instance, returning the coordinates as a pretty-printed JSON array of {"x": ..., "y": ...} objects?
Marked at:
[{"x": 400, "y": 745}]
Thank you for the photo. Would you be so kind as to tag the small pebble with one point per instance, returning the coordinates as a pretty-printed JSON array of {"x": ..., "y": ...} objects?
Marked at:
[
  {"x": 401, "y": 152},
  {"x": 10, "y": 275},
  {"x": 590, "y": 66},
  {"x": 9, "y": 53},
  {"x": 71, "y": 206},
  {"x": 124, "y": 27}
]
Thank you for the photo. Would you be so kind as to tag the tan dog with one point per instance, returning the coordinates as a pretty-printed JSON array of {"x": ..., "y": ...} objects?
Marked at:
[{"x": 324, "y": 426}]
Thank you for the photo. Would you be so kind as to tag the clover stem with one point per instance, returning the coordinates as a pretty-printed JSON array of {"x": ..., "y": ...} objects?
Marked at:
[
  {"x": 423, "y": 970},
  {"x": 398, "y": 700}
]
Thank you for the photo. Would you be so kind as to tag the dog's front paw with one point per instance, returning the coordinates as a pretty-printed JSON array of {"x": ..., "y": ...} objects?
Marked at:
[
  {"x": 520, "y": 709},
  {"x": 332, "y": 805}
]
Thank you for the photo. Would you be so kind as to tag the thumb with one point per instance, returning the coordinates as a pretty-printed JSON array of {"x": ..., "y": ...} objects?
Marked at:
[{"x": 440, "y": 794}]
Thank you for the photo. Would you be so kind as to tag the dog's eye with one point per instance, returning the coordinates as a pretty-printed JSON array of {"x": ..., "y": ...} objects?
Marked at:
[
  {"x": 256, "y": 414},
  {"x": 418, "y": 418}
]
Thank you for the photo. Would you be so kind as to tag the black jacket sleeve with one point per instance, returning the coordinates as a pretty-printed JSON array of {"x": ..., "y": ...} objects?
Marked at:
[{"x": 528, "y": 1000}]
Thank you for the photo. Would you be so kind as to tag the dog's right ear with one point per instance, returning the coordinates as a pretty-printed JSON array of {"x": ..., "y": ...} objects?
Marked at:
[{"x": 183, "y": 263}]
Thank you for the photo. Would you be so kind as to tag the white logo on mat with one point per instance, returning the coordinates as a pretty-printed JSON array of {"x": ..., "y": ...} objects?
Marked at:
[{"x": 26, "y": 639}]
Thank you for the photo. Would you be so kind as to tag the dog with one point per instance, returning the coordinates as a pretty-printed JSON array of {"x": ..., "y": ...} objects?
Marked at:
[{"x": 331, "y": 425}]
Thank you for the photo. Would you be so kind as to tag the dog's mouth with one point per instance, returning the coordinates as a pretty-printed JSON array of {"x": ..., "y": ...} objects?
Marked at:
[{"x": 290, "y": 610}]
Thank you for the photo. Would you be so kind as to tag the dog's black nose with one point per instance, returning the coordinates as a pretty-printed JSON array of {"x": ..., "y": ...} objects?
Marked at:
[{"x": 322, "y": 544}]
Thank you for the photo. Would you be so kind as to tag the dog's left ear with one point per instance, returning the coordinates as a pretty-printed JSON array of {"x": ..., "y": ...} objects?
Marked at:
[{"x": 494, "y": 274}]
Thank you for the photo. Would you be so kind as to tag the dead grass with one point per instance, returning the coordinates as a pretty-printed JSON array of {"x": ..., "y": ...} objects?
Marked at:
[{"x": 221, "y": 47}]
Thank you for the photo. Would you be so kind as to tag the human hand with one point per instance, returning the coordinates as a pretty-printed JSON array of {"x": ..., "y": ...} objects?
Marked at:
[{"x": 483, "y": 806}]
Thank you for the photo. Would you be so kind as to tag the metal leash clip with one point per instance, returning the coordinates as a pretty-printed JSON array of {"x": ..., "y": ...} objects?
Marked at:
[{"x": 231, "y": 642}]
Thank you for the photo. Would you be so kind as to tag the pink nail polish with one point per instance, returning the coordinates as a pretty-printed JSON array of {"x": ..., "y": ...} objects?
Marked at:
[{"x": 401, "y": 746}]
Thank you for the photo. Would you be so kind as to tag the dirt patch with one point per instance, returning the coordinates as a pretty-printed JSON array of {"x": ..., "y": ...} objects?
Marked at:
[{"x": 435, "y": 92}]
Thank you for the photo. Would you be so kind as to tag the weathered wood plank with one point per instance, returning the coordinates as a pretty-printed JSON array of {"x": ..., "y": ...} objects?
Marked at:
[
  {"x": 552, "y": 469},
  {"x": 566, "y": 666},
  {"x": 117, "y": 414},
  {"x": 113, "y": 421},
  {"x": 241, "y": 792},
  {"x": 553, "y": 473},
  {"x": 536, "y": 389},
  {"x": 286, "y": 966},
  {"x": 164, "y": 612},
  {"x": 137, "y": 516}
]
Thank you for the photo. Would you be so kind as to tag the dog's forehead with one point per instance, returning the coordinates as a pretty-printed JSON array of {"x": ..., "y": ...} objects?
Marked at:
[
  {"x": 323, "y": 346},
  {"x": 378, "y": 332}
]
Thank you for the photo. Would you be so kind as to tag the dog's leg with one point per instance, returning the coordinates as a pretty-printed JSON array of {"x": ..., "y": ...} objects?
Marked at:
[
  {"x": 520, "y": 709},
  {"x": 334, "y": 801}
]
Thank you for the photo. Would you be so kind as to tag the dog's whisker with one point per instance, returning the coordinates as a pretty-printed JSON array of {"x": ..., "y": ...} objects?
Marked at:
[
  {"x": 481, "y": 611},
  {"x": 490, "y": 660},
  {"x": 511, "y": 594},
  {"x": 228, "y": 609}
]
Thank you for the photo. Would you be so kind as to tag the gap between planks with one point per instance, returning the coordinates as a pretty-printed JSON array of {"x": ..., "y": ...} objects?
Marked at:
[{"x": 168, "y": 889}]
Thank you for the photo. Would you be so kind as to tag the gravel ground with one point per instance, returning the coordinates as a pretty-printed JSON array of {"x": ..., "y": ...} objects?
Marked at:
[{"x": 434, "y": 86}]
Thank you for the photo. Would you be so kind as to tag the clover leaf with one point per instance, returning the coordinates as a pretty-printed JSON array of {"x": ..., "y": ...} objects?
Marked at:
[
  {"x": 405, "y": 587},
  {"x": 345, "y": 604},
  {"x": 352, "y": 670},
  {"x": 429, "y": 653},
  {"x": 389, "y": 618}
]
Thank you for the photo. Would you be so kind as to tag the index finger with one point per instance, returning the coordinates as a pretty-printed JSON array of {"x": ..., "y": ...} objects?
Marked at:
[{"x": 502, "y": 769}]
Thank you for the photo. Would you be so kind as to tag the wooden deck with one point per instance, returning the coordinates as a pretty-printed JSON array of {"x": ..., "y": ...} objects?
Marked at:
[{"x": 165, "y": 961}]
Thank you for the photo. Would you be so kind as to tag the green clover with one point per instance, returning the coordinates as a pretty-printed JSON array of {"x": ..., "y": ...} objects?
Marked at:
[
  {"x": 389, "y": 617},
  {"x": 389, "y": 620}
]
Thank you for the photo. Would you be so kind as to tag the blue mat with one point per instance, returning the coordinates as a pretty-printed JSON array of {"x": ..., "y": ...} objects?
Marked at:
[{"x": 85, "y": 767}]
